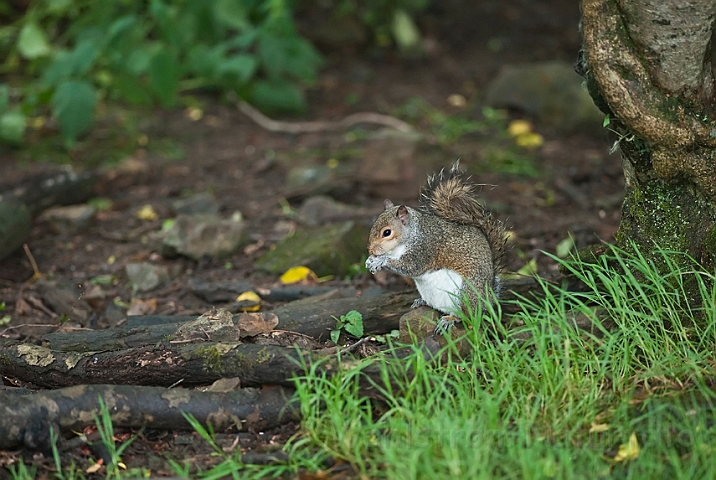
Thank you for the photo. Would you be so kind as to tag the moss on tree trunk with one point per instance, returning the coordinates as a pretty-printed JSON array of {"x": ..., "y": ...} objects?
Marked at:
[{"x": 647, "y": 66}]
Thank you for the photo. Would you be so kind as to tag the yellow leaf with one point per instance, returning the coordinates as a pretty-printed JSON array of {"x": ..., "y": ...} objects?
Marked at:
[
  {"x": 250, "y": 298},
  {"x": 598, "y": 427},
  {"x": 111, "y": 259},
  {"x": 530, "y": 268},
  {"x": 628, "y": 451},
  {"x": 38, "y": 122},
  {"x": 194, "y": 113},
  {"x": 457, "y": 100},
  {"x": 519, "y": 127},
  {"x": 94, "y": 468},
  {"x": 147, "y": 213},
  {"x": 297, "y": 274},
  {"x": 332, "y": 163},
  {"x": 529, "y": 140}
]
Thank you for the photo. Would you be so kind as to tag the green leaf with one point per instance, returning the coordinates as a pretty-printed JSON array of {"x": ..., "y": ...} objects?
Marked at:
[
  {"x": 59, "y": 69},
  {"x": 131, "y": 89},
  {"x": 335, "y": 335},
  {"x": 66, "y": 64},
  {"x": 239, "y": 67},
  {"x": 245, "y": 40},
  {"x": 273, "y": 55},
  {"x": 164, "y": 77},
  {"x": 404, "y": 30},
  {"x": 32, "y": 42},
  {"x": 278, "y": 95},
  {"x": 58, "y": 6},
  {"x": 4, "y": 96},
  {"x": 355, "y": 330},
  {"x": 564, "y": 247},
  {"x": 119, "y": 27},
  {"x": 166, "y": 18},
  {"x": 204, "y": 61},
  {"x": 12, "y": 127},
  {"x": 83, "y": 56},
  {"x": 73, "y": 104},
  {"x": 232, "y": 14},
  {"x": 139, "y": 60},
  {"x": 353, "y": 323},
  {"x": 303, "y": 60}
]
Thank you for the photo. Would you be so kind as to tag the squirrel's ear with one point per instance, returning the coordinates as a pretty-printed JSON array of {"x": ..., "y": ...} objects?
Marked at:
[
  {"x": 387, "y": 204},
  {"x": 402, "y": 214}
]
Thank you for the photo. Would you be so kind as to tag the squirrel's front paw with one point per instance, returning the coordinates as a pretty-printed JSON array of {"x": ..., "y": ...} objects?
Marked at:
[
  {"x": 375, "y": 263},
  {"x": 445, "y": 323}
]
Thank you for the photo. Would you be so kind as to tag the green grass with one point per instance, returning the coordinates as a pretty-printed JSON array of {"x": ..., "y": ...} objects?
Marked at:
[
  {"x": 542, "y": 400},
  {"x": 523, "y": 408}
]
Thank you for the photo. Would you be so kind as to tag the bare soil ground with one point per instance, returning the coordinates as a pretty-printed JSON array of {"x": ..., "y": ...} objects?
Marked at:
[{"x": 245, "y": 166}]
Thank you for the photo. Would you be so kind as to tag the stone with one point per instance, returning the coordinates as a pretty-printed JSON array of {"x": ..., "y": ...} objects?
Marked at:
[
  {"x": 418, "y": 325},
  {"x": 196, "y": 236},
  {"x": 146, "y": 276},
  {"x": 64, "y": 298},
  {"x": 327, "y": 250},
  {"x": 551, "y": 92},
  {"x": 200, "y": 203},
  {"x": 322, "y": 209},
  {"x": 70, "y": 218}
]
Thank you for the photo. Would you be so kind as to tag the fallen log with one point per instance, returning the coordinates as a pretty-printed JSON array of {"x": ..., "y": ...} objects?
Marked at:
[
  {"x": 162, "y": 364},
  {"x": 314, "y": 318},
  {"x": 26, "y": 419}
]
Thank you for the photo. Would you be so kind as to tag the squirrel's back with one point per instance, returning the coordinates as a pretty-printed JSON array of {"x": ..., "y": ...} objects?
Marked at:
[{"x": 450, "y": 195}]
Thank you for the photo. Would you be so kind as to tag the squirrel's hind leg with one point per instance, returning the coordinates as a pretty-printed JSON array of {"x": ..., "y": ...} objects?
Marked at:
[{"x": 419, "y": 302}]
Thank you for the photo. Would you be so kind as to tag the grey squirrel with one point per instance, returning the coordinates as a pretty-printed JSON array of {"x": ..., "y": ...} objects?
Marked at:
[{"x": 451, "y": 246}]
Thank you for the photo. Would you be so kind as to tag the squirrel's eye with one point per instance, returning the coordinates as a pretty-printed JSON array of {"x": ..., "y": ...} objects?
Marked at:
[{"x": 386, "y": 232}]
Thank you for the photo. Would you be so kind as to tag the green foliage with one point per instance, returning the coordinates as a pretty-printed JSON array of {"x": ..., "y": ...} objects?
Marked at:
[
  {"x": 351, "y": 322},
  {"x": 77, "y": 52},
  {"x": 386, "y": 18},
  {"x": 106, "y": 432}
]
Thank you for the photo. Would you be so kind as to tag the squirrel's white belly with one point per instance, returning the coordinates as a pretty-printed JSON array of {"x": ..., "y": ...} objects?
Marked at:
[{"x": 440, "y": 289}]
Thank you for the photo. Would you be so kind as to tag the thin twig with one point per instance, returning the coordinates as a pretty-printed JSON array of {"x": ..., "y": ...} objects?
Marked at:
[
  {"x": 350, "y": 348},
  {"x": 13, "y": 327},
  {"x": 321, "y": 126},
  {"x": 37, "y": 273}
]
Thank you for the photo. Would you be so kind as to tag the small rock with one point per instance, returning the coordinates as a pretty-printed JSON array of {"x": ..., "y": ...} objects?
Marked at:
[
  {"x": 418, "y": 325},
  {"x": 328, "y": 250},
  {"x": 201, "y": 235},
  {"x": 145, "y": 276},
  {"x": 69, "y": 219},
  {"x": 224, "y": 385},
  {"x": 200, "y": 203},
  {"x": 322, "y": 209},
  {"x": 63, "y": 298},
  {"x": 551, "y": 92}
]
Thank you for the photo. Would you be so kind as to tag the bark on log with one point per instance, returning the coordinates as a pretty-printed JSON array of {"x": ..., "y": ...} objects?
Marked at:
[
  {"x": 164, "y": 364},
  {"x": 26, "y": 419},
  {"x": 380, "y": 315}
]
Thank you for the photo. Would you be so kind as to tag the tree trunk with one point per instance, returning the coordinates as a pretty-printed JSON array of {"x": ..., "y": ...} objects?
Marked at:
[{"x": 648, "y": 67}]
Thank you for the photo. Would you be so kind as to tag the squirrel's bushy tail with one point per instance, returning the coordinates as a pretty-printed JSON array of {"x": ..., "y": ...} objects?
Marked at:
[{"x": 451, "y": 196}]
